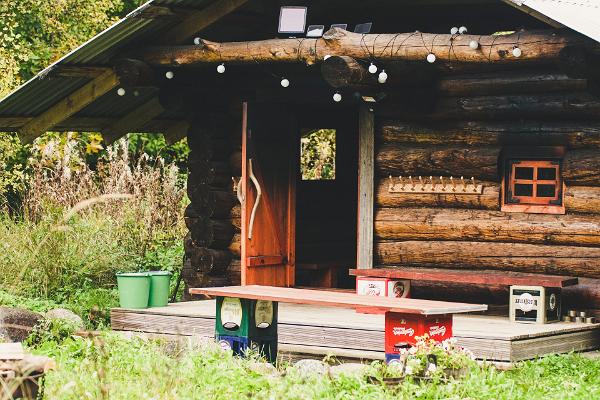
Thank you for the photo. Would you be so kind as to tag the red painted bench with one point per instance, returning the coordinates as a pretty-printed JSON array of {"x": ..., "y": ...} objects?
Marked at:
[{"x": 405, "y": 319}]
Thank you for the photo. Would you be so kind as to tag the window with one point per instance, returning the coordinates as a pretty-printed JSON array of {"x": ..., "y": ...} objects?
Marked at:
[
  {"x": 533, "y": 186},
  {"x": 317, "y": 154}
]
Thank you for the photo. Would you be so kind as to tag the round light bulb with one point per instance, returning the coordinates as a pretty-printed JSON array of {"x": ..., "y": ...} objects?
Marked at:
[
  {"x": 221, "y": 68},
  {"x": 197, "y": 41},
  {"x": 454, "y": 30},
  {"x": 462, "y": 30},
  {"x": 170, "y": 74},
  {"x": 285, "y": 82},
  {"x": 326, "y": 57},
  {"x": 431, "y": 58},
  {"x": 136, "y": 93},
  {"x": 121, "y": 91},
  {"x": 337, "y": 97},
  {"x": 383, "y": 76},
  {"x": 372, "y": 68},
  {"x": 517, "y": 52},
  {"x": 474, "y": 44}
]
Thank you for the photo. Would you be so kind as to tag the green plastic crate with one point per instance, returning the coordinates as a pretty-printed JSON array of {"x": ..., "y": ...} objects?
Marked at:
[{"x": 253, "y": 319}]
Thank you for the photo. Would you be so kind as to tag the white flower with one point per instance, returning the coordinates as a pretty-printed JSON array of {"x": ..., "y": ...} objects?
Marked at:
[{"x": 408, "y": 370}]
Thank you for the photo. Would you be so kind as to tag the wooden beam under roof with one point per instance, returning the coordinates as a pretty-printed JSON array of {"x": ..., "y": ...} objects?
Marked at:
[
  {"x": 133, "y": 120},
  {"x": 68, "y": 106},
  {"x": 201, "y": 19},
  {"x": 176, "y": 132}
]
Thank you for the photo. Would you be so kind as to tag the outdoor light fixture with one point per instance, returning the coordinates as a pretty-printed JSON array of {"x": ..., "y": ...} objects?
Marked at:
[
  {"x": 517, "y": 52},
  {"x": 363, "y": 28},
  {"x": 337, "y": 97},
  {"x": 221, "y": 68},
  {"x": 315, "y": 31},
  {"x": 170, "y": 74},
  {"x": 454, "y": 30},
  {"x": 431, "y": 58},
  {"x": 383, "y": 76},
  {"x": 474, "y": 44},
  {"x": 462, "y": 30},
  {"x": 372, "y": 68},
  {"x": 197, "y": 41},
  {"x": 340, "y": 26},
  {"x": 285, "y": 82},
  {"x": 121, "y": 92},
  {"x": 292, "y": 20}
]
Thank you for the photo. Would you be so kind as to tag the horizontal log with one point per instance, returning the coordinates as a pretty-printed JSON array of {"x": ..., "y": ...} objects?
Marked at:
[
  {"x": 554, "y": 260},
  {"x": 210, "y": 233},
  {"x": 540, "y": 47},
  {"x": 558, "y": 106},
  {"x": 509, "y": 83},
  {"x": 484, "y": 225},
  {"x": 578, "y": 199},
  {"x": 215, "y": 173},
  {"x": 207, "y": 261},
  {"x": 479, "y": 162},
  {"x": 235, "y": 273},
  {"x": 235, "y": 246},
  {"x": 207, "y": 202},
  {"x": 488, "y": 200},
  {"x": 134, "y": 73},
  {"x": 235, "y": 163},
  {"x": 582, "y": 167},
  {"x": 487, "y": 133}
]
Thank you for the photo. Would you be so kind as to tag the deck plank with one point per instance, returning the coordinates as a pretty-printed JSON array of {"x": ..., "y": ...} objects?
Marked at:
[
  {"x": 340, "y": 299},
  {"x": 341, "y": 331}
]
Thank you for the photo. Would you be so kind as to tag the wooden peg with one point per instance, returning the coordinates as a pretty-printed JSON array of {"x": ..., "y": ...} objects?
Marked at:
[
  {"x": 443, "y": 183},
  {"x": 473, "y": 183},
  {"x": 431, "y": 183},
  {"x": 464, "y": 185},
  {"x": 412, "y": 183},
  {"x": 422, "y": 184},
  {"x": 401, "y": 182},
  {"x": 391, "y": 184},
  {"x": 453, "y": 184}
]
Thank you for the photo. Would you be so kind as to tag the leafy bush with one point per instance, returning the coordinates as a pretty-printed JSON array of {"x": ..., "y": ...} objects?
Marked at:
[{"x": 317, "y": 155}]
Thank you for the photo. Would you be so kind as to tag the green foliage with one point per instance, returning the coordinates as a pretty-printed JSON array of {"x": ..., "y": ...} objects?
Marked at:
[
  {"x": 155, "y": 146},
  {"x": 13, "y": 160},
  {"x": 34, "y": 33},
  {"x": 51, "y": 330},
  {"x": 118, "y": 368},
  {"x": 317, "y": 155}
]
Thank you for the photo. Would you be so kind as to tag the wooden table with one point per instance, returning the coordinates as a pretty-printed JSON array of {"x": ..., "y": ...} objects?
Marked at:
[{"x": 246, "y": 316}]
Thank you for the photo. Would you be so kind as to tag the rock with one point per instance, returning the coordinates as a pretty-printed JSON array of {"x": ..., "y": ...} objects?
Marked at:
[
  {"x": 68, "y": 315},
  {"x": 16, "y": 323},
  {"x": 348, "y": 369},
  {"x": 308, "y": 367},
  {"x": 263, "y": 368}
]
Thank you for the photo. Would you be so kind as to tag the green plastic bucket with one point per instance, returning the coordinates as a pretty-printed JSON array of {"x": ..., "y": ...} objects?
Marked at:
[
  {"x": 159, "y": 288},
  {"x": 134, "y": 289}
]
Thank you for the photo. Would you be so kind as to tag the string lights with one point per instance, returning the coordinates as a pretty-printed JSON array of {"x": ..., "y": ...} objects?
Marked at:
[
  {"x": 383, "y": 76},
  {"x": 170, "y": 74},
  {"x": 285, "y": 82},
  {"x": 121, "y": 92},
  {"x": 474, "y": 44},
  {"x": 221, "y": 68},
  {"x": 337, "y": 97},
  {"x": 372, "y": 68}
]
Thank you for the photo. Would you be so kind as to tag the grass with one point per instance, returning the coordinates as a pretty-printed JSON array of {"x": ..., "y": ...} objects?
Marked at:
[{"x": 118, "y": 368}]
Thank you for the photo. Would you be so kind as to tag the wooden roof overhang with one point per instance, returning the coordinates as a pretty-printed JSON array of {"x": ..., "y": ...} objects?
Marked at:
[{"x": 79, "y": 92}]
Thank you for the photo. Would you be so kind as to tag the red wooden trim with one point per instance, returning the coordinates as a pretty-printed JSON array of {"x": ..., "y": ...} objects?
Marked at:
[
  {"x": 480, "y": 277},
  {"x": 258, "y": 261},
  {"x": 337, "y": 299}
]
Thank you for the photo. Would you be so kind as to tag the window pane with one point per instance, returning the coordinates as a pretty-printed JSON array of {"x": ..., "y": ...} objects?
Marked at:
[
  {"x": 524, "y": 173},
  {"x": 546, "y": 190},
  {"x": 547, "y": 174},
  {"x": 317, "y": 154},
  {"x": 523, "y": 189}
]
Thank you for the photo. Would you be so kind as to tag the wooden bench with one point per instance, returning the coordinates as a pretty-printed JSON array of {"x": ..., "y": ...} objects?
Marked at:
[
  {"x": 246, "y": 316},
  {"x": 551, "y": 284}
]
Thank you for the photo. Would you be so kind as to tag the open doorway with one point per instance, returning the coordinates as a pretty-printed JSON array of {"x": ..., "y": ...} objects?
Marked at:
[{"x": 326, "y": 200}]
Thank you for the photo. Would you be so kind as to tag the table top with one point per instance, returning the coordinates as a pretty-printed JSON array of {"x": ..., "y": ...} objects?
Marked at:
[
  {"x": 340, "y": 299},
  {"x": 481, "y": 277}
]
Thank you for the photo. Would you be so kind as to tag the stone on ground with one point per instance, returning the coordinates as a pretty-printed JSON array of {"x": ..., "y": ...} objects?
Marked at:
[
  {"x": 16, "y": 323},
  {"x": 348, "y": 369},
  {"x": 68, "y": 315},
  {"x": 263, "y": 368},
  {"x": 308, "y": 367}
]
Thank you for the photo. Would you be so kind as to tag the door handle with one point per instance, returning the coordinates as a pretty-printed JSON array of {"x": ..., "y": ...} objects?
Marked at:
[{"x": 257, "y": 201}]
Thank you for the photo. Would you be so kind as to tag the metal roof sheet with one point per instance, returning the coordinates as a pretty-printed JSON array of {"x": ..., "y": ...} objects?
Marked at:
[
  {"x": 41, "y": 92},
  {"x": 582, "y": 16}
]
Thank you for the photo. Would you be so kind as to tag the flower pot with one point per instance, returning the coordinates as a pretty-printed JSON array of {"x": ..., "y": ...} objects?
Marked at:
[
  {"x": 134, "y": 289},
  {"x": 159, "y": 288}
]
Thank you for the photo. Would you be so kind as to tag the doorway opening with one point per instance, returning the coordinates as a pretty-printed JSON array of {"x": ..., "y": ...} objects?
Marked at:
[{"x": 326, "y": 201}]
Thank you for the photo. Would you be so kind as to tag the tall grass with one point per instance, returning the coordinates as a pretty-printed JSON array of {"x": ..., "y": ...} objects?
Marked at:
[{"x": 79, "y": 225}]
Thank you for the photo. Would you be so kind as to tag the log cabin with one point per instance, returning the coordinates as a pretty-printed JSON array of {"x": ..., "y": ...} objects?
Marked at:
[{"x": 477, "y": 148}]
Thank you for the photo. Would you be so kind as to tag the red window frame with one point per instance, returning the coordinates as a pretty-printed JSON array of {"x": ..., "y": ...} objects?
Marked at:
[{"x": 532, "y": 203}]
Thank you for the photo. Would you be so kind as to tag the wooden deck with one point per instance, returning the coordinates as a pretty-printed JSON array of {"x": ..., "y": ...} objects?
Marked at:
[{"x": 344, "y": 333}]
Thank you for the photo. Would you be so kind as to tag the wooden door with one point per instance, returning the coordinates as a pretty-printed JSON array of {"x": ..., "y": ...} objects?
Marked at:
[{"x": 268, "y": 195}]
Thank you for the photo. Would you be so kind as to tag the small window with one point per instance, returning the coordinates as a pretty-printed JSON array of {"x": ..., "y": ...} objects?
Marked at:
[
  {"x": 317, "y": 154},
  {"x": 533, "y": 186}
]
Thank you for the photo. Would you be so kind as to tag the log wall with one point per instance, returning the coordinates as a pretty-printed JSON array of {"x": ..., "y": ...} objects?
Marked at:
[
  {"x": 213, "y": 215},
  {"x": 462, "y": 132}
]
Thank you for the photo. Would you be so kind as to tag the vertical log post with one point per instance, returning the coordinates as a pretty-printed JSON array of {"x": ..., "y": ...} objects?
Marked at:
[{"x": 366, "y": 172}]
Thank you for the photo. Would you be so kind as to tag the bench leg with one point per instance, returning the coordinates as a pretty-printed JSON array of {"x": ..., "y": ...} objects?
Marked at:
[
  {"x": 243, "y": 325},
  {"x": 401, "y": 331}
]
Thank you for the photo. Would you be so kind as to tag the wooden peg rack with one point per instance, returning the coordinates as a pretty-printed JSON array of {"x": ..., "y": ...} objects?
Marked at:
[{"x": 441, "y": 185}]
